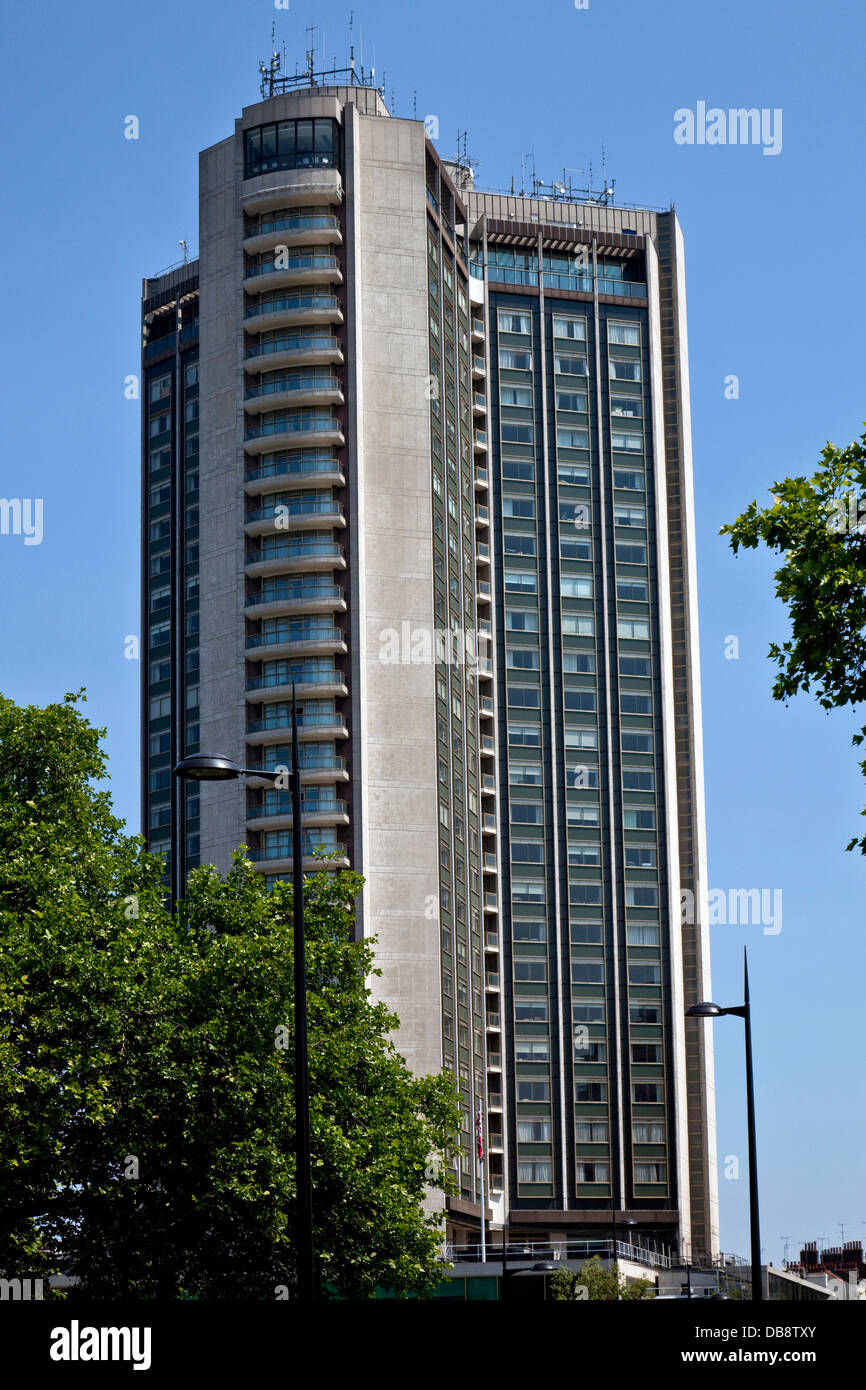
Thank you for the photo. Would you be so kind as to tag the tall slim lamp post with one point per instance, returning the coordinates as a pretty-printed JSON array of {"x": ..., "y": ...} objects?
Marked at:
[
  {"x": 202, "y": 767},
  {"x": 708, "y": 1010}
]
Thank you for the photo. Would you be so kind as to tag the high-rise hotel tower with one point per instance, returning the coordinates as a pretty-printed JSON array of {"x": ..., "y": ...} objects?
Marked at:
[{"x": 425, "y": 452}]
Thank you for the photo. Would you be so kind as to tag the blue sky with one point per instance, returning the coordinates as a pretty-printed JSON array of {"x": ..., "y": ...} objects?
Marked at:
[{"x": 89, "y": 213}]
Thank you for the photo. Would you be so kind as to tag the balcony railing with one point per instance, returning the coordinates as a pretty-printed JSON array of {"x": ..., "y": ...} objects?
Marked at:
[
  {"x": 310, "y": 807},
  {"x": 328, "y": 676},
  {"x": 294, "y": 424},
  {"x": 296, "y": 550},
  {"x": 291, "y": 592},
  {"x": 321, "y": 762},
  {"x": 293, "y": 507},
  {"x": 302, "y": 634},
  {"x": 576, "y": 1250},
  {"x": 305, "y": 721},
  {"x": 312, "y": 342},
  {"x": 334, "y": 850},
  {"x": 301, "y": 223},
  {"x": 292, "y": 468},
  {"x": 320, "y": 261},
  {"x": 290, "y": 302},
  {"x": 305, "y": 382}
]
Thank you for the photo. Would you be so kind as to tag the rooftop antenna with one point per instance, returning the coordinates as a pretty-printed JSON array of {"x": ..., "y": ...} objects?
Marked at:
[
  {"x": 185, "y": 249},
  {"x": 268, "y": 73},
  {"x": 786, "y": 1242},
  {"x": 310, "y": 73},
  {"x": 415, "y": 104}
]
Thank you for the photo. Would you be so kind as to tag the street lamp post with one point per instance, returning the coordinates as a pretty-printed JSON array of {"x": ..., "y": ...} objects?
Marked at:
[
  {"x": 206, "y": 768},
  {"x": 705, "y": 1009}
]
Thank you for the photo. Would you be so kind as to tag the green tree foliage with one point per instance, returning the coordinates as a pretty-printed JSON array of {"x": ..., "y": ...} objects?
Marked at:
[
  {"x": 594, "y": 1282},
  {"x": 146, "y": 1063},
  {"x": 818, "y": 526}
]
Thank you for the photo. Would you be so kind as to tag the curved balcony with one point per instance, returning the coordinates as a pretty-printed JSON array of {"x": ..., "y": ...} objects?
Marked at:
[
  {"x": 283, "y": 865},
  {"x": 317, "y": 770},
  {"x": 277, "y": 814},
  {"x": 296, "y": 268},
  {"x": 319, "y": 685},
  {"x": 294, "y": 388},
  {"x": 295, "y": 516},
  {"x": 311, "y": 641},
  {"x": 301, "y": 555},
  {"x": 479, "y": 441},
  {"x": 291, "y": 471},
  {"x": 271, "y": 725},
  {"x": 301, "y": 228},
  {"x": 288, "y": 309},
  {"x": 297, "y": 599},
  {"x": 311, "y": 349},
  {"x": 285, "y": 188},
  {"x": 293, "y": 429}
]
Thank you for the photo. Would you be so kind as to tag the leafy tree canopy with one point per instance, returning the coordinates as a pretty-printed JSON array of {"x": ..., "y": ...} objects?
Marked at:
[
  {"x": 818, "y": 526},
  {"x": 146, "y": 1063}
]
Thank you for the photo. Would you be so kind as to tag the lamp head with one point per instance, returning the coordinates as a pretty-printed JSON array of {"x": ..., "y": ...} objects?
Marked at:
[{"x": 202, "y": 767}]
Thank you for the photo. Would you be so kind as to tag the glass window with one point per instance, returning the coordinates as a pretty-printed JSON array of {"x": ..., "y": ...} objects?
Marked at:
[
  {"x": 527, "y": 852},
  {"x": 518, "y": 506},
  {"x": 619, "y": 332},
  {"x": 527, "y": 735},
  {"x": 642, "y": 934},
  {"x": 591, "y": 1170},
  {"x": 533, "y": 1090},
  {"x": 528, "y": 931},
  {"x": 636, "y": 629},
  {"x": 632, "y": 590},
  {"x": 515, "y": 360},
  {"x": 516, "y": 543},
  {"x": 570, "y": 366},
  {"x": 517, "y": 434},
  {"x": 518, "y": 470},
  {"x": 574, "y": 473},
  {"x": 645, "y": 1013},
  {"x": 631, "y": 443},
  {"x": 625, "y": 478},
  {"x": 572, "y": 439},
  {"x": 578, "y": 625},
  {"x": 587, "y": 972},
  {"x": 585, "y": 1091},
  {"x": 535, "y": 1171},
  {"x": 521, "y": 582},
  {"x": 533, "y": 1131},
  {"x": 640, "y": 857},
  {"x": 573, "y": 586},
  {"x": 532, "y": 1049},
  {"x": 648, "y": 1131},
  {"x": 649, "y": 1054},
  {"x": 641, "y": 895},
  {"x": 628, "y": 406},
  {"x": 510, "y": 322},
  {"x": 624, "y": 369},
  {"x": 647, "y": 1092},
  {"x": 530, "y": 968},
  {"x": 566, "y": 327},
  {"x": 515, "y": 395},
  {"x": 644, "y": 974},
  {"x": 530, "y": 1011},
  {"x": 571, "y": 400},
  {"x": 588, "y": 1011},
  {"x": 638, "y": 779},
  {"x": 591, "y": 1131},
  {"x": 587, "y": 933},
  {"x": 639, "y": 818},
  {"x": 527, "y": 890}
]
